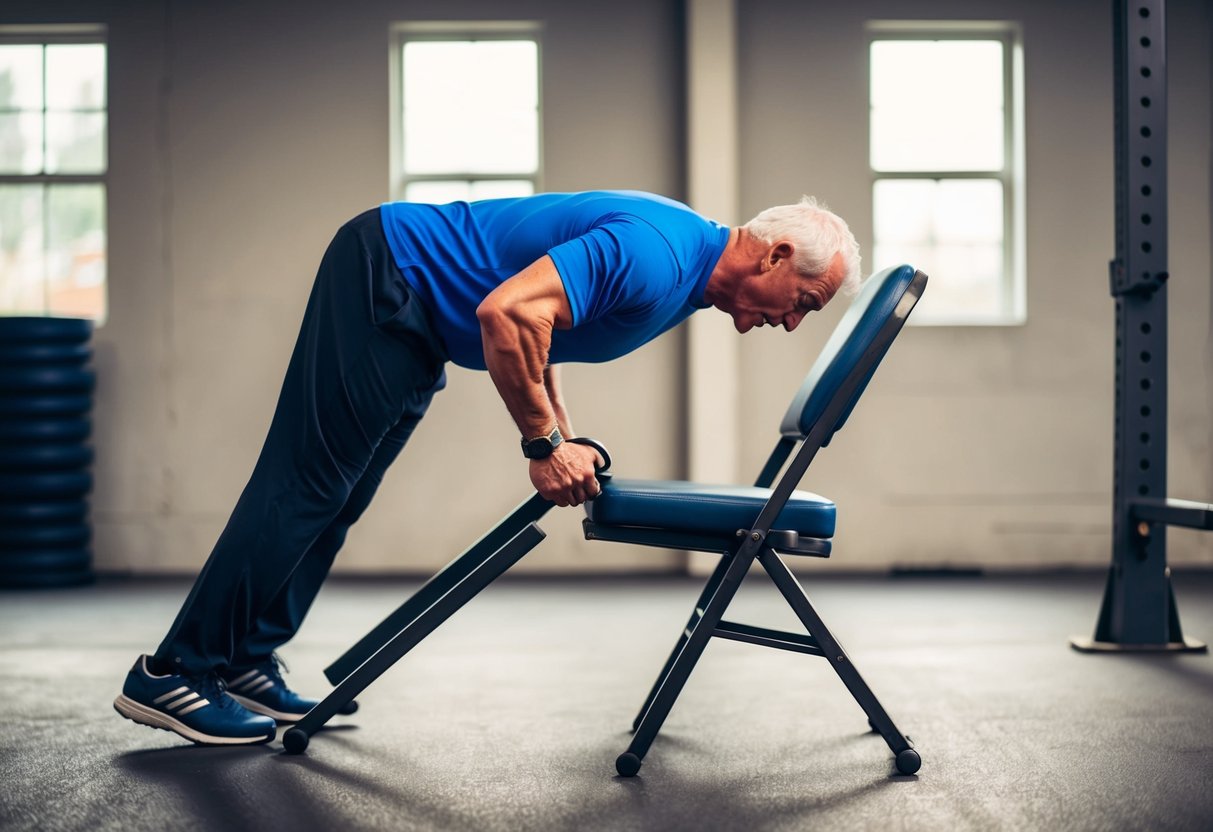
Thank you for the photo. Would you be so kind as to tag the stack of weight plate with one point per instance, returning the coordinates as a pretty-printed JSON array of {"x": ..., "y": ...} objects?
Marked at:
[{"x": 45, "y": 403}]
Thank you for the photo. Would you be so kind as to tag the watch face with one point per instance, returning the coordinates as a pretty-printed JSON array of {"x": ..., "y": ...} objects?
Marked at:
[{"x": 540, "y": 448}]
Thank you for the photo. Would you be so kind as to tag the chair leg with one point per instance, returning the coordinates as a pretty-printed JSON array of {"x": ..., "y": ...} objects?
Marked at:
[
  {"x": 441, "y": 583},
  {"x": 295, "y": 740},
  {"x": 708, "y": 589},
  {"x": 628, "y": 763},
  {"x": 908, "y": 760}
]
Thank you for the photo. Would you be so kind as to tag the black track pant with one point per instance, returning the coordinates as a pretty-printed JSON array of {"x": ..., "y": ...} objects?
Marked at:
[{"x": 362, "y": 374}]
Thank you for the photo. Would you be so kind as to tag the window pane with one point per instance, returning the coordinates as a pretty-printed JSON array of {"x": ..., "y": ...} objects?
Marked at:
[
  {"x": 21, "y": 260},
  {"x": 76, "y": 250},
  {"x": 937, "y": 105},
  {"x": 442, "y": 192},
  {"x": 20, "y": 142},
  {"x": 75, "y": 76},
  {"x": 501, "y": 188},
  {"x": 953, "y": 231},
  {"x": 438, "y": 193},
  {"x": 20, "y": 77},
  {"x": 471, "y": 106},
  {"x": 75, "y": 142}
]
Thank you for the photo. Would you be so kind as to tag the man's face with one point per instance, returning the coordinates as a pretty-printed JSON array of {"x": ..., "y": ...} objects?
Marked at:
[{"x": 776, "y": 295}]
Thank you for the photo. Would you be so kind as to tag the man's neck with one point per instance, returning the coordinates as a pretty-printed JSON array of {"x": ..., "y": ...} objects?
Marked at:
[{"x": 734, "y": 263}]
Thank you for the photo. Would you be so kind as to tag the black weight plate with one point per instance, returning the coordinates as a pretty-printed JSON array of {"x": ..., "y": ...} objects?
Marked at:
[
  {"x": 43, "y": 560},
  {"x": 46, "y": 380},
  {"x": 47, "y": 580},
  {"x": 45, "y": 430},
  {"x": 34, "y": 487},
  {"x": 23, "y": 513},
  {"x": 59, "y": 330},
  {"x": 41, "y": 456},
  {"x": 28, "y": 355},
  {"x": 47, "y": 536},
  {"x": 38, "y": 406}
]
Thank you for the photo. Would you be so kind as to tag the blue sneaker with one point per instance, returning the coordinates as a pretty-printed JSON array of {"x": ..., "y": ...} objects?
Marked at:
[
  {"x": 260, "y": 689},
  {"x": 194, "y": 707}
]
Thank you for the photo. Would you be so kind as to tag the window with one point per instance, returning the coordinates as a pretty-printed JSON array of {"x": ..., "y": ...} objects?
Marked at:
[
  {"x": 946, "y": 159},
  {"x": 53, "y": 160},
  {"x": 467, "y": 124}
]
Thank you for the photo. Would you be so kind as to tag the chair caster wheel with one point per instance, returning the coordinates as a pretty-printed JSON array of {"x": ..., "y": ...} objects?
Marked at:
[
  {"x": 908, "y": 761},
  {"x": 348, "y": 708},
  {"x": 294, "y": 741},
  {"x": 627, "y": 764}
]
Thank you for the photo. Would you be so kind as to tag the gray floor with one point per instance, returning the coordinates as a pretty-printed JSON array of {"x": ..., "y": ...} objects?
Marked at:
[{"x": 510, "y": 717}]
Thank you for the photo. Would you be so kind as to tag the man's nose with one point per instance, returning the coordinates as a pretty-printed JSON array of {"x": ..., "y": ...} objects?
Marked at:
[{"x": 792, "y": 321}]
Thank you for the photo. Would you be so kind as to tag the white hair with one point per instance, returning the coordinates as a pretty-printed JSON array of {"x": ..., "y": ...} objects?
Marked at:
[{"x": 817, "y": 235}]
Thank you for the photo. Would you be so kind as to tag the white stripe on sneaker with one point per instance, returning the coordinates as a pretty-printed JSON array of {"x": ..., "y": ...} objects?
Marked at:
[
  {"x": 255, "y": 682},
  {"x": 170, "y": 695},
  {"x": 242, "y": 678},
  {"x": 177, "y": 703},
  {"x": 188, "y": 710},
  {"x": 268, "y": 684}
]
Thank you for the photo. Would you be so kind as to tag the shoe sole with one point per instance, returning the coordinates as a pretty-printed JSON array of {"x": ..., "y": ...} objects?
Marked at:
[
  {"x": 280, "y": 716},
  {"x": 153, "y": 718},
  {"x": 258, "y": 708}
]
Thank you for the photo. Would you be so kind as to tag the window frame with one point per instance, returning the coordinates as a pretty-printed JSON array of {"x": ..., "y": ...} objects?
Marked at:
[
  {"x": 447, "y": 30},
  {"x": 54, "y": 35},
  {"x": 1012, "y": 176}
]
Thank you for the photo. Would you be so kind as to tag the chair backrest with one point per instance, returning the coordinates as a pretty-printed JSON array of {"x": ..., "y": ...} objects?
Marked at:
[{"x": 884, "y": 302}]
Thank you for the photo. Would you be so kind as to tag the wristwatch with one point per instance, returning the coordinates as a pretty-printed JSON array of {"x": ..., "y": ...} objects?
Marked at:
[{"x": 541, "y": 447}]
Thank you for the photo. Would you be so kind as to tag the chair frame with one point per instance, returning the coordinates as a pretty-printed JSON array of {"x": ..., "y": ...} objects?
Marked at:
[{"x": 511, "y": 539}]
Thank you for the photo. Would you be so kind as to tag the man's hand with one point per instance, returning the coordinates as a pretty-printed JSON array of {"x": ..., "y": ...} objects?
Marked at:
[{"x": 567, "y": 476}]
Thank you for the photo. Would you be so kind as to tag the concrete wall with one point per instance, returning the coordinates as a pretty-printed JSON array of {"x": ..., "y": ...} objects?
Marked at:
[
  {"x": 243, "y": 134},
  {"x": 988, "y": 445}
]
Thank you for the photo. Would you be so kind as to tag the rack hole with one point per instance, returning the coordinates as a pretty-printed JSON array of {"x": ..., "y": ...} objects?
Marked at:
[
  {"x": 1146, "y": 161},
  {"x": 1145, "y": 42},
  {"x": 1146, "y": 219},
  {"x": 1143, "y": 11},
  {"x": 1145, "y": 72},
  {"x": 1144, "y": 464},
  {"x": 1143, "y": 490},
  {"x": 1146, "y": 247},
  {"x": 1145, "y": 101},
  {"x": 1146, "y": 190},
  {"x": 1145, "y": 438},
  {"x": 1145, "y": 329},
  {"x": 1145, "y": 384},
  {"x": 1145, "y": 410},
  {"x": 1145, "y": 132},
  {"x": 1145, "y": 356}
]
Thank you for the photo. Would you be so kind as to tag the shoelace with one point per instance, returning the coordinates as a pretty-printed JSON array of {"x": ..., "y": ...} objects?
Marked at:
[{"x": 212, "y": 687}]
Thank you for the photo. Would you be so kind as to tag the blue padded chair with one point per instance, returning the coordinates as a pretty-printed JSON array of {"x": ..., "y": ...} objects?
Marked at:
[{"x": 742, "y": 524}]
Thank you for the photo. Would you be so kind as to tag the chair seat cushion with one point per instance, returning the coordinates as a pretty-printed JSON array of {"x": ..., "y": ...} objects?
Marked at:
[{"x": 708, "y": 509}]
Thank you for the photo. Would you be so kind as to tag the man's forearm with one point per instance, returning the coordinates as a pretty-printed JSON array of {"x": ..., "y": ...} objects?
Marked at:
[
  {"x": 515, "y": 352},
  {"x": 551, "y": 380}
]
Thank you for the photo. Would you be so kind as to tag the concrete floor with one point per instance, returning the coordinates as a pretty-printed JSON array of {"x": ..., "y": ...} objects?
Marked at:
[{"x": 511, "y": 715}]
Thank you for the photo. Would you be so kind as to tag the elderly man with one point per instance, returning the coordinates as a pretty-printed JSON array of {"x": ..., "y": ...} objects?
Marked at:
[{"x": 514, "y": 286}]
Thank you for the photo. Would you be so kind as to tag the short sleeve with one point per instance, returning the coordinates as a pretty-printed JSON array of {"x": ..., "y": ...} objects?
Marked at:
[{"x": 623, "y": 264}]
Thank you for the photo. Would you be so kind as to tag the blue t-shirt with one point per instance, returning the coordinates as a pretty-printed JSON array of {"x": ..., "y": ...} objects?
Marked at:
[{"x": 633, "y": 264}]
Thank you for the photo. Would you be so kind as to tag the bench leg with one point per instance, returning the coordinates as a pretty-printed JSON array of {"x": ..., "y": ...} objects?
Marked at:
[
  {"x": 295, "y": 740},
  {"x": 907, "y": 759},
  {"x": 628, "y": 763},
  {"x": 449, "y": 576},
  {"x": 708, "y": 589}
]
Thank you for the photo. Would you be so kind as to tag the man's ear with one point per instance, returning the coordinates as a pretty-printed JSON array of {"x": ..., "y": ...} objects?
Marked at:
[{"x": 780, "y": 251}]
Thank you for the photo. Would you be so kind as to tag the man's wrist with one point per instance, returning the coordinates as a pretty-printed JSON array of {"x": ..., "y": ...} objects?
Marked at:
[{"x": 542, "y": 446}]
